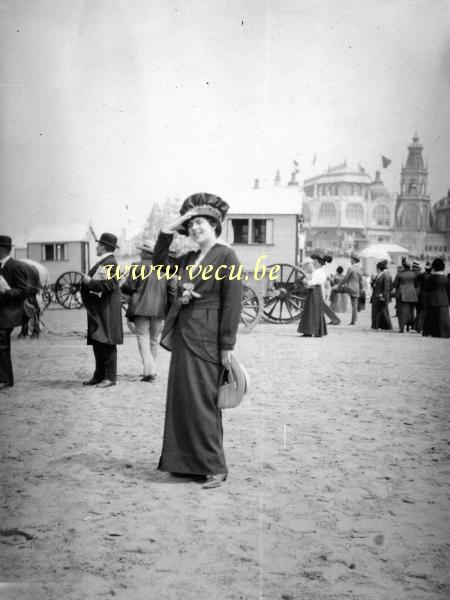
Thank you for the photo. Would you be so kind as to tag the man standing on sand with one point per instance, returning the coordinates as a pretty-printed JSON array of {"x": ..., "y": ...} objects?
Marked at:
[
  {"x": 101, "y": 297},
  {"x": 352, "y": 284},
  {"x": 13, "y": 291}
]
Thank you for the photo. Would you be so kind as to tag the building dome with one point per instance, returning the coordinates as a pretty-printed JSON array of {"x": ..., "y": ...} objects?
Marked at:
[
  {"x": 414, "y": 161},
  {"x": 443, "y": 202},
  {"x": 377, "y": 189}
]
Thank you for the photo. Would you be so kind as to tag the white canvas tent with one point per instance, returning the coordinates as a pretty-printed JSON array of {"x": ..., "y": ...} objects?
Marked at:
[{"x": 384, "y": 251}]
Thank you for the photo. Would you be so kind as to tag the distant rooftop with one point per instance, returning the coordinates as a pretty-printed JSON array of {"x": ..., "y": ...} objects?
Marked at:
[
  {"x": 270, "y": 201},
  {"x": 73, "y": 232}
]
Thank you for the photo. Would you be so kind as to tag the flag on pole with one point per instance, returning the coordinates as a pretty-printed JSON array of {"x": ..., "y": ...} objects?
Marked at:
[
  {"x": 314, "y": 159},
  {"x": 386, "y": 161}
]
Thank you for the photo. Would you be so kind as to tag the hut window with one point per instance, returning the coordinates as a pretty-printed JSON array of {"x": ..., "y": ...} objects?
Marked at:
[
  {"x": 250, "y": 231},
  {"x": 54, "y": 252}
]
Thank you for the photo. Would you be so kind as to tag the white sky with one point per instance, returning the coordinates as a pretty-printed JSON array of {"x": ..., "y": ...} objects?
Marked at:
[{"x": 109, "y": 104}]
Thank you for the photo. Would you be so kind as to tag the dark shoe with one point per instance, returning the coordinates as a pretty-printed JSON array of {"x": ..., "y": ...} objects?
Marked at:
[
  {"x": 213, "y": 481},
  {"x": 91, "y": 381},
  {"x": 334, "y": 323},
  {"x": 105, "y": 383},
  {"x": 149, "y": 378},
  {"x": 352, "y": 323},
  {"x": 306, "y": 335},
  {"x": 5, "y": 386}
]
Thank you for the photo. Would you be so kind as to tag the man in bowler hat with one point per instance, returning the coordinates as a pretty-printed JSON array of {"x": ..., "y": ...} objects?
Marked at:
[
  {"x": 13, "y": 291},
  {"x": 101, "y": 298}
]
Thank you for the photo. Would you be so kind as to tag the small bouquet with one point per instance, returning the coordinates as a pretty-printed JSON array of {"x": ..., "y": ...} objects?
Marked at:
[{"x": 188, "y": 294}]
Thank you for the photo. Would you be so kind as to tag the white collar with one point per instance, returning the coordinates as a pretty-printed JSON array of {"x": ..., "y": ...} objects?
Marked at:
[
  {"x": 102, "y": 256},
  {"x": 5, "y": 260}
]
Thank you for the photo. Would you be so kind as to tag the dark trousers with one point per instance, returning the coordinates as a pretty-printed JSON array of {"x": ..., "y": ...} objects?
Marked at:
[
  {"x": 105, "y": 361},
  {"x": 6, "y": 372},
  {"x": 354, "y": 301}
]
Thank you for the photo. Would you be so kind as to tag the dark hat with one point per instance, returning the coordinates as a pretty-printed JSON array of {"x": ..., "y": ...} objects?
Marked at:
[
  {"x": 204, "y": 205},
  {"x": 354, "y": 256},
  {"x": 382, "y": 264},
  {"x": 108, "y": 239},
  {"x": 321, "y": 256},
  {"x": 406, "y": 263},
  {"x": 438, "y": 264},
  {"x": 428, "y": 266},
  {"x": 5, "y": 241}
]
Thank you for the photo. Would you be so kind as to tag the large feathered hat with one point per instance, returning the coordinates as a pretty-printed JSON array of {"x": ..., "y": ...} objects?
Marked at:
[{"x": 204, "y": 205}]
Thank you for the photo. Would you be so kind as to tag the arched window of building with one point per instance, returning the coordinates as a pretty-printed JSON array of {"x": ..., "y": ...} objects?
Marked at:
[
  {"x": 410, "y": 216},
  {"x": 354, "y": 213},
  {"x": 381, "y": 215},
  {"x": 327, "y": 212},
  {"x": 412, "y": 186},
  {"x": 334, "y": 190},
  {"x": 306, "y": 211}
]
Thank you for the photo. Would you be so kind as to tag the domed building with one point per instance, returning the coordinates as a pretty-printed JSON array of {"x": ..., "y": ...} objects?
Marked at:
[
  {"x": 344, "y": 209},
  {"x": 440, "y": 242}
]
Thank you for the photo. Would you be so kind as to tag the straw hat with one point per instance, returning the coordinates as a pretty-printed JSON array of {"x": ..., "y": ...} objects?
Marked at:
[{"x": 231, "y": 391}]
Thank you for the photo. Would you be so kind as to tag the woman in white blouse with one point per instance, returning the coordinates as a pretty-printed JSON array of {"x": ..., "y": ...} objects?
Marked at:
[{"x": 312, "y": 321}]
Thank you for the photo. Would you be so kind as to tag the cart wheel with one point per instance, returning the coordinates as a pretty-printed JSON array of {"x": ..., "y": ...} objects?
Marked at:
[
  {"x": 68, "y": 289},
  {"x": 285, "y": 296},
  {"x": 251, "y": 309}
]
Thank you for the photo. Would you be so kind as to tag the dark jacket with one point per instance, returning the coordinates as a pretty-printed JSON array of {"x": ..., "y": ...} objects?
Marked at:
[
  {"x": 438, "y": 290},
  {"x": 404, "y": 286},
  {"x": 207, "y": 324},
  {"x": 149, "y": 297},
  {"x": 11, "y": 301},
  {"x": 104, "y": 310},
  {"x": 381, "y": 293}
]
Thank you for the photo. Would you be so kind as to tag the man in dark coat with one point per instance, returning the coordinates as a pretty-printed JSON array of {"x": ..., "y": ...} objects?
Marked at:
[
  {"x": 352, "y": 284},
  {"x": 13, "y": 291},
  {"x": 101, "y": 297}
]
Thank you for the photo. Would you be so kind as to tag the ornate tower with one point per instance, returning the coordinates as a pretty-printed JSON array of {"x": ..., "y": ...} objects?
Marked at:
[{"x": 413, "y": 203}]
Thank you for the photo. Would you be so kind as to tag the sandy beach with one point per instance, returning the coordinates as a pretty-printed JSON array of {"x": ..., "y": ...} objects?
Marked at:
[{"x": 338, "y": 485}]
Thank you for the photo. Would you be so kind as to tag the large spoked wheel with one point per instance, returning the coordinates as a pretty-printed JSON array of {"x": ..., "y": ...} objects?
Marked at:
[
  {"x": 68, "y": 290},
  {"x": 283, "y": 302},
  {"x": 251, "y": 309}
]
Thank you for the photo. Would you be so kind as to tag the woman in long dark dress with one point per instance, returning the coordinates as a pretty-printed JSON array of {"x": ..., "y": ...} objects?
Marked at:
[
  {"x": 437, "y": 322},
  {"x": 381, "y": 296},
  {"x": 200, "y": 331},
  {"x": 312, "y": 321}
]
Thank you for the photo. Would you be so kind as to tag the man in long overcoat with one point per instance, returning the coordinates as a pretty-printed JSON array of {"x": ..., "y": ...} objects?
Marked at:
[
  {"x": 100, "y": 292},
  {"x": 13, "y": 291}
]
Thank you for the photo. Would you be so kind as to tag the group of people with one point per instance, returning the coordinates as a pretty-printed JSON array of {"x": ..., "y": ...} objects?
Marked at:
[
  {"x": 198, "y": 322},
  {"x": 312, "y": 320},
  {"x": 199, "y": 328},
  {"x": 421, "y": 296}
]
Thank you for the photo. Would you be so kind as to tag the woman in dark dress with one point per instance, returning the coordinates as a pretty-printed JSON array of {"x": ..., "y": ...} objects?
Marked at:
[
  {"x": 406, "y": 296},
  {"x": 312, "y": 321},
  {"x": 437, "y": 322},
  {"x": 200, "y": 331},
  {"x": 422, "y": 296},
  {"x": 381, "y": 296}
]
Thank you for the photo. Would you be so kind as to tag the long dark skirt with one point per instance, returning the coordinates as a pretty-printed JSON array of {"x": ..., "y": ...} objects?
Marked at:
[
  {"x": 436, "y": 322},
  {"x": 193, "y": 435},
  {"x": 312, "y": 321},
  {"x": 380, "y": 316},
  {"x": 405, "y": 313}
]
